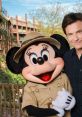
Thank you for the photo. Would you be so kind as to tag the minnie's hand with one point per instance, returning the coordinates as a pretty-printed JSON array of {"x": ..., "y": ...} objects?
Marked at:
[
  {"x": 60, "y": 111},
  {"x": 64, "y": 100}
]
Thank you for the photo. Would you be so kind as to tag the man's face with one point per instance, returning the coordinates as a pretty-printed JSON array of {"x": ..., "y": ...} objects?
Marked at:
[{"x": 74, "y": 34}]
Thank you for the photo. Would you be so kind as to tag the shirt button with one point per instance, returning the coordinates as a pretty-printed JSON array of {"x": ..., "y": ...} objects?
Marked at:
[
  {"x": 37, "y": 90},
  {"x": 58, "y": 85},
  {"x": 50, "y": 99},
  {"x": 80, "y": 70}
]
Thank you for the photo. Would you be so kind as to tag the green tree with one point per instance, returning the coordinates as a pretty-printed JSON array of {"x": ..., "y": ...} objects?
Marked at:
[
  {"x": 78, "y": 7},
  {"x": 49, "y": 17},
  {"x": 7, "y": 37},
  {"x": 6, "y": 76}
]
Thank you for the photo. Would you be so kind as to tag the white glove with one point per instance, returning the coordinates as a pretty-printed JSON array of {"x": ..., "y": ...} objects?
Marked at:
[
  {"x": 64, "y": 100},
  {"x": 61, "y": 111}
]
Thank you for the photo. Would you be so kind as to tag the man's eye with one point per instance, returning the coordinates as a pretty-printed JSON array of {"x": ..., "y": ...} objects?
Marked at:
[
  {"x": 33, "y": 59},
  {"x": 80, "y": 32}
]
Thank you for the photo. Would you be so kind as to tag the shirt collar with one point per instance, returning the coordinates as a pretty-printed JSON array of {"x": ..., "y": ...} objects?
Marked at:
[{"x": 73, "y": 52}]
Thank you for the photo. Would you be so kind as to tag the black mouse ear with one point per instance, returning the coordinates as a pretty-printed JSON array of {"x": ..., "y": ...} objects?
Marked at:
[
  {"x": 11, "y": 64},
  {"x": 64, "y": 44}
]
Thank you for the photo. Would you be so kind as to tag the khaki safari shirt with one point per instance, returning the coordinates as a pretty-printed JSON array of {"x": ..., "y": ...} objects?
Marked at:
[{"x": 40, "y": 95}]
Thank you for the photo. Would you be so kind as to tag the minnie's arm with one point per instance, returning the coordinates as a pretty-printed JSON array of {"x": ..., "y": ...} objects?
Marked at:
[{"x": 42, "y": 112}]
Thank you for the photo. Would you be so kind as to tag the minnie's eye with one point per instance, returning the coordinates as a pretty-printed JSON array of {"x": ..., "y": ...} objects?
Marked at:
[
  {"x": 33, "y": 59},
  {"x": 45, "y": 55}
]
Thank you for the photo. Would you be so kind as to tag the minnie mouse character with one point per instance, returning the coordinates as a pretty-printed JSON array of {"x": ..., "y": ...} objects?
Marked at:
[{"x": 48, "y": 91}]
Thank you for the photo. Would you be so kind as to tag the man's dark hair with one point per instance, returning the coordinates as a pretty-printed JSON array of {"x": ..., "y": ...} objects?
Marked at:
[{"x": 71, "y": 18}]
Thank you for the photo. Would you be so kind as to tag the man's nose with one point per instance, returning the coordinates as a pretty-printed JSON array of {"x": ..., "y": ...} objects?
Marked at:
[{"x": 76, "y": 37}]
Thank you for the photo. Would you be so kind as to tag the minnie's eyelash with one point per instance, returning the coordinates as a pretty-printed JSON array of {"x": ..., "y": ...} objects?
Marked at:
[
  {"x": 45, "y": 46},
  {"x": 28, "y": 53}
]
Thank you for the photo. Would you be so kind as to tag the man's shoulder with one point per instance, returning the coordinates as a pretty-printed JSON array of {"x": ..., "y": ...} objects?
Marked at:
[{"x": 69, "y": 53}]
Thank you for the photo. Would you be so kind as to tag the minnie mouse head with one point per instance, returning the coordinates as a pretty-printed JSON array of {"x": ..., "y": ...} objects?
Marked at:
[{"x": 38, "y": 58}]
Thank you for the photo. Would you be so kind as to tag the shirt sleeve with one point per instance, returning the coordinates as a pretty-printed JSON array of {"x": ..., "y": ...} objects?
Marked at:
[
  {"x": 28, "y": 97},
  {"x": 67, "y": 84}
]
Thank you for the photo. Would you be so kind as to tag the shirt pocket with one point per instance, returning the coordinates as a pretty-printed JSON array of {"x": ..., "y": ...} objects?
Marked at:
[{"x": 43, "y": 96}]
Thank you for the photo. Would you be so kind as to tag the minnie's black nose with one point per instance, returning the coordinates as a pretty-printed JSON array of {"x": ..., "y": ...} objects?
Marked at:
[{"x": 40, "y": 60}]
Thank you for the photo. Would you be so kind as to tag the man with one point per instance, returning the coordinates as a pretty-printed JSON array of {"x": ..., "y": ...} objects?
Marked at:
[{"x": 72, "y": 27}]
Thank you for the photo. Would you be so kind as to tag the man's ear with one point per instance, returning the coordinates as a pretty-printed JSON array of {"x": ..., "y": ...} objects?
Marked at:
[
  {"x": 11, "y": 64},
  {"x": 64, "y": 44}
]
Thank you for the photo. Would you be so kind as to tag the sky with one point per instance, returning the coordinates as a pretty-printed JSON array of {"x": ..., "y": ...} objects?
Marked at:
[{"x": 22, "y": 7}]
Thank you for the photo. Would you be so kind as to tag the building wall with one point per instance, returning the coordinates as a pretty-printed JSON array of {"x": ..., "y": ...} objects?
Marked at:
[
  {"x": 16, "y": 29},
  {"x": 21, "y": 27}
]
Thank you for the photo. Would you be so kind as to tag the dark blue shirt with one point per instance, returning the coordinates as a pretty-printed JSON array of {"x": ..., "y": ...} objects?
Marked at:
[{"x": 73, "y": 68}]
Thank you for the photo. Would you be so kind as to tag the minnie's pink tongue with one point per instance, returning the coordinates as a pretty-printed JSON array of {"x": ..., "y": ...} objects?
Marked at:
[{"x": 46, "y": 77}]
